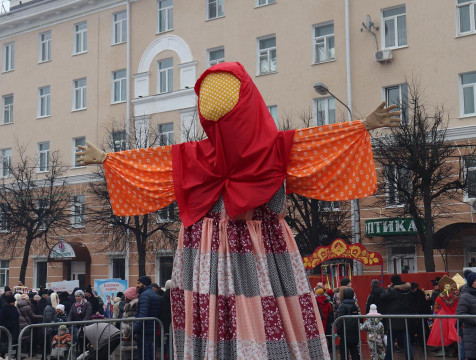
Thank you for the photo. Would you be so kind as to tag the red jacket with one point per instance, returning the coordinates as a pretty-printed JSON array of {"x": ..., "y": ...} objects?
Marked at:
[{"x": 325, "y": 308}]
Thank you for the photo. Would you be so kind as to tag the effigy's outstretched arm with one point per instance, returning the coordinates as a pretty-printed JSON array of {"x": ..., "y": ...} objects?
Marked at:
[{"x": 335, "y": 162}]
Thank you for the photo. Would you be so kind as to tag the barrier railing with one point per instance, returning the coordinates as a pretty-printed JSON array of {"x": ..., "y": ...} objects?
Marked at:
[
  {"x": 408, "y": 334},
  {"x": 7, "y": 349},
  {"x": 95, "y": 339}
]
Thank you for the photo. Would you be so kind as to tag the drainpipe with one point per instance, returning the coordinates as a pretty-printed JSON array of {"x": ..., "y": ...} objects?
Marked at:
[{"x": 128, "y": 70}]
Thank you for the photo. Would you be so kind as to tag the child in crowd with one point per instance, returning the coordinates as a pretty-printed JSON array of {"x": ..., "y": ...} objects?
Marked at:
[
  {"x": 375, "y": 334},
  {"x": 61, "y": 344}
]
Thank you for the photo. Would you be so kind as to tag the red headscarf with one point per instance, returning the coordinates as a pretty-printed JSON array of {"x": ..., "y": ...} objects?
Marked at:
[{"x": 244, "y": 158}]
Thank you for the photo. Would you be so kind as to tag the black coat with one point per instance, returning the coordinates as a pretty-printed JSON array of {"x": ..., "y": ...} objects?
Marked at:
[
  {"x": 419, "y": 303},
  {"x": 96, "y": 307},
  {"x": 166, "y": 311},
  {"x": 348, "y": 307},
  {"x": 467, "y": 306},
  {"x": 397, "y": 300},
  {"x": 40, "y": 306},
  {"x": 9, "y": 318},
  {"x": 374, "y": 298}
]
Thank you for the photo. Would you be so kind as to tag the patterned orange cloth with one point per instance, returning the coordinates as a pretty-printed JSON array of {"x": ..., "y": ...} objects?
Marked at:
[{"x": 332, "y": 162}]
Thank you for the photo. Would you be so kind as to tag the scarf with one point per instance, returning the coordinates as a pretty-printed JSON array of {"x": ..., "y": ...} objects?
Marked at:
[{"x": 80, "y": 304}]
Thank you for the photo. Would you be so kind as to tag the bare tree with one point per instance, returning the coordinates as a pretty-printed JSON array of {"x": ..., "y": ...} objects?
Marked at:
[
  {"x": 149, "y": 232},
  {"x": 421, "y": 168},
  {"x": 314, "y": 222},
  {"x": 33, "y": 205}
]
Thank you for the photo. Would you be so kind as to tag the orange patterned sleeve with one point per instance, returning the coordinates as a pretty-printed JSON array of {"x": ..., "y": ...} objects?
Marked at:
[
  {"x": 139, "y": 181},
  {"x": 332, "y": 162}
]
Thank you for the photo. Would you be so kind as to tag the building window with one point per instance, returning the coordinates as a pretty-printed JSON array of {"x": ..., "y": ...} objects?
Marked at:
[
  {"x": 166, "y": 214},
  {"x": 267, "y": 55},
  {"x": 215, "y": 8},
  {"x": 8, "y": 58},
  {"x": 398, "y": 95},
  {"x": 41, "y": 273},
  {"x": 466, "y": 10},
  {"x": 470, "y": 168},
  {"x": 79, "y": 94},
  {"x": 324, "y": 49},
  {"x": 401, "y": 259},
  {"x": 216, "y": 56},
  {"x": 5, "y": 162},
  {"x": 273, "y": 110},
  {"x": 163, "y": 272},
  {"x": 166, "y": 134},
  {"x": 119, "y": 86},
  {"x": 325, "y": 111},
  {"x": 119, "y": 28},
  {"x": 7, "y": 104},
  {"x": 468, "y": 90},
  {"x": 44, "y": 102},
  {"x": 329, "y": 205},
  {"x": 4, "y": 272},
  {"x": 80, "y": 38},
  {"x": 4, "y": 218},
  {"x": 118, "y": 267},
  {"x": 166, "y": 75},
  {"x": 264, "y": 2},
  {"x": 119, "y": 140},
  {"x": 398, "y": 181},
  {"x": 77, "y": 142},
  {"x": 42, "y": 206},
  {"x": 45, "y": 47},
  {"x": 166, "y": 15},
  {"x": 395, "y": 24},
  {"x": 78, "y": 210},
  {"x": 43, "y": 156}
]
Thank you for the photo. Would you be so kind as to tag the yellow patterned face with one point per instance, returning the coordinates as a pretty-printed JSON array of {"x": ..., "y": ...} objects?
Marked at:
[{"x": 219, "y": 93}]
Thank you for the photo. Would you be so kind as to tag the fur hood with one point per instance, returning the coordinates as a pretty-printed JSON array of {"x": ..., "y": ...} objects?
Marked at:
[{"x": 403, "y": 287}]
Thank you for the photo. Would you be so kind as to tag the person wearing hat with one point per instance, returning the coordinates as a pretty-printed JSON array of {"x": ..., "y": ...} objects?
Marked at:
[
  {"x": 348, "y": 332},
  {"x": 148, "y": 306},
  {"x": 436, "y": 291},
  {"x": 7, "y": 292},
  {"x": 61, "y": 343},
  {"x": 467, "y": 306},
  {"x": 9, "y": 318},
  {"x": 375, "y": 334},
  {"x": 128, "y": 345},
  {"x": 396, "y": 300},
  {"x": 444, "y": 333},
  {"x": 91, "y": 298}
]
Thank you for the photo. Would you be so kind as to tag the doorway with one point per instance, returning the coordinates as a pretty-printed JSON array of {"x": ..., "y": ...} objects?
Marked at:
[{"x": 78, "y": 272}]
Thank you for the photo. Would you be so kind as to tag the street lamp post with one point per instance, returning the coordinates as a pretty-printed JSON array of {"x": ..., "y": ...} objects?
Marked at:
[{"x": 322, "y": 89}]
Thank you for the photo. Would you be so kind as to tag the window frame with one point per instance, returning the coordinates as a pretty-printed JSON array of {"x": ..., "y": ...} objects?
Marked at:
[
  {"x": 271, "y": 109},
  {"x": 403, "y": 104},
  {"x": 7, "y": 108},
  {"x": 166, "y": 214},
  {"x": 169, "y": 14},
  {"x": 75, "y": 150},
  {"x": 78, "y": 211},
  {"x": 325, "y": 39},
  {"x": 121, "y": 139},
  {"x": 44, "y": 46},
  {"x": 472, "y": 17},
  {"x": 35, "y": 270},
  {"x": 217, "y": 9},
  {"x": 169, "y": 76},
  {"x": 160, "y": 254},
  {"x": 4, "y": 273},
  {"x": 5, "y": 159},
  {"x": 80, "y": 93},
  {"x": 266, "y": 51},
  {"x": 395, "y": 19},
  {"x": 122, "y": 87},
  {"x": 397, "y": 174},
  {"x": 118, "y": 256},
  {"x": 44, "y": 102},
  {"x": 461, "y": 87},
  {"x": 39, "y": 154},
  {"x": 266, "y": 3},
  {"x": 119, "y": 27},
  {"x": 39, "y": 206},
  {"x": 392, "y": 257},
  {"x": 215, "y": 61},
  {"x": 82, "y": 36},
  {"x": 466, "y": 193},
  {"x": 332, "y": 206},
  {"x": 327, "y": 110},
  {"x": 8, "y": 57},
  {"x": 166, "y": 137},
  {"x": 4, "y": 218}
]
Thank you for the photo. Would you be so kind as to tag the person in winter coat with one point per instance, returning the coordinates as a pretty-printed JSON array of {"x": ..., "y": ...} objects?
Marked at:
[
  {"x": 374, "y": 297},
  {"x": 49, "y": 316},
  {"x": 467, "y": 306},
  {"x": 94, "y": 301},
  {"x": 9, "y": 318},
  {"x": 80, "y": 311},
  {"x": 349, "y": 334},
  {"x": 128, "y": 345},
  {"x": 165, "y": 314},
  {"x": 27, "y": 317},
  {"x": 64, "y": 300},
  {"x": 61, "y": 343},
  {"x": 325, "y": 309},
  {"x": 148, "y": 306},
  {"x": 375, "y": 334},
  {"x": 397, "y": 300},
  {"x": 420, "y": 306},
  {"x": 116, "y": 306},
  {"x": 339, "y": 295},
  {"x": 7, "y": 292}
]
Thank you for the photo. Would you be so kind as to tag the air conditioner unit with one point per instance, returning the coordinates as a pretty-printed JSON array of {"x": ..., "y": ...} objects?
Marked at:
[
  {"x": 383, "y": 56},
  {"x": 472, "y": 203}
]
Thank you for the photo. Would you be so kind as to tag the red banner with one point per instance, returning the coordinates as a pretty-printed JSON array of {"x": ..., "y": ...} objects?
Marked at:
[{"x": 339, "y": 249}]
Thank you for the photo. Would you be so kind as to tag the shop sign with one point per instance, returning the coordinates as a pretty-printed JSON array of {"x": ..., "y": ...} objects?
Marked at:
[
  {"x": 389, "y": 227},
  {"x": 62, "y": 251}
]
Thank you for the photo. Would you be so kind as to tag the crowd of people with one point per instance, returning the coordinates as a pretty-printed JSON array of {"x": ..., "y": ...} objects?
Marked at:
[
  {"x": 388, "y": 336},
  {"x": 146, "y": 299}
]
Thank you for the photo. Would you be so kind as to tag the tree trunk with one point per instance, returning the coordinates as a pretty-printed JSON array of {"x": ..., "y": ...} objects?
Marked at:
[
  {"x": 428, "y": 243},
  {"x": 24, "y": 263},
  {"x": 141, "y": 254}
]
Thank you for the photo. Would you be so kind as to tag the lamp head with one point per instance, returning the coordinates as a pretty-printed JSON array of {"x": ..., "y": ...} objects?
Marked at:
[{"x": 321, "y": 88}]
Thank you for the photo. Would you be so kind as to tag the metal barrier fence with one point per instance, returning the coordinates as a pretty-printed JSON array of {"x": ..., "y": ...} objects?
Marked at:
[
  {"x": 392, "y": 336},
  {"x": 5, "y": 346},
  {"x": 95, "y": 339}
]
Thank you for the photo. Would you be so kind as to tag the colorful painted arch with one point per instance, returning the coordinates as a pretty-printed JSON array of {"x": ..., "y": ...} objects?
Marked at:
[{"x": 339, "y": 249}]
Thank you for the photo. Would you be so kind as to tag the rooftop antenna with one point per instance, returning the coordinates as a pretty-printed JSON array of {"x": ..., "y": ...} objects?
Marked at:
[{"x": 368, "y": 25}]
